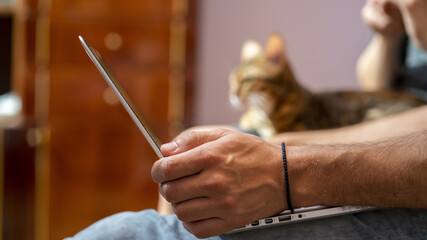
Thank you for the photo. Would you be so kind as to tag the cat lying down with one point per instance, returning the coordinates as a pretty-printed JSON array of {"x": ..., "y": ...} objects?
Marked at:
[{"x": 265, "y": 85}]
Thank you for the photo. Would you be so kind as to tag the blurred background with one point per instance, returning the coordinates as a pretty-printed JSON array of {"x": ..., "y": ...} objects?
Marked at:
[{"x": 70, "y": 154}]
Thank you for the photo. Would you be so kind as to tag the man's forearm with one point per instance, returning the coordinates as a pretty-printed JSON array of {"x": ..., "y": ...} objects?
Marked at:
[
  {"x": 388, "y": 173},
  {"x": 407, "y": 122}
]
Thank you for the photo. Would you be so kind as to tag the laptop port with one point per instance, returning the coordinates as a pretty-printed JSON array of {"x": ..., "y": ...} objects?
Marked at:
[
  {"x": 284, "y": 218},
  {"x": 256, "y": 223},
  {"x": 268, "y": 220}
]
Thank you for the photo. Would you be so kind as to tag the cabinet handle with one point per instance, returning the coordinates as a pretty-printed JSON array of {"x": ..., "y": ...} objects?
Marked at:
[
  {"x": 109, "y": 97},
  {"x": 113, "y": 41},
  {"x": 38, "y": 136}
]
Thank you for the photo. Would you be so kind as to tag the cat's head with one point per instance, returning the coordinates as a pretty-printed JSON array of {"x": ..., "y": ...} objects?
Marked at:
[{"x": 260, "y": 77}]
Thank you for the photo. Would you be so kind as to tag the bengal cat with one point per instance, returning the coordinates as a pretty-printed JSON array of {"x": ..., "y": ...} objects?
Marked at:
[{"x": 265, "y": 85}]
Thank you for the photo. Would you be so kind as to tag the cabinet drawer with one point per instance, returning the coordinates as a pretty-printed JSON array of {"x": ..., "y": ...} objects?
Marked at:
[
  {"x": 86, "y": 94},
  {"x": 97, "y": 171}
]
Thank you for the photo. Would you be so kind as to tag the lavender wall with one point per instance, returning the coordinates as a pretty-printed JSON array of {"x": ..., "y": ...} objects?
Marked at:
[{"x": 323, "y": 39}]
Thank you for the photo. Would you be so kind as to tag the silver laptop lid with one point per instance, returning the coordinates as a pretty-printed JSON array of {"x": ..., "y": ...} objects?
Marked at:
[{"x": 123, "y": 97}]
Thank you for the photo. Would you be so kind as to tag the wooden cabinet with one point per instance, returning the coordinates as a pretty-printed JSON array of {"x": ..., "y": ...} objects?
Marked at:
[{"x": 92, "y": 161}]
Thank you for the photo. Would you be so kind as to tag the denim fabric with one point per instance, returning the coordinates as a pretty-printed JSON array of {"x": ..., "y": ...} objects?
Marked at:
[{"x": 379, "y": 224}]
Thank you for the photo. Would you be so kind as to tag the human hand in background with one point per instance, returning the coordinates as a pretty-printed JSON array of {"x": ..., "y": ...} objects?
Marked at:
[
  {"x": 384, "y": 17},
  {"x": 218, "y": 180}
]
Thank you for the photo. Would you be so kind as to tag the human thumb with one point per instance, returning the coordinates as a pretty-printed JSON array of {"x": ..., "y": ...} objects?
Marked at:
[{"x": 191, "y": 139}]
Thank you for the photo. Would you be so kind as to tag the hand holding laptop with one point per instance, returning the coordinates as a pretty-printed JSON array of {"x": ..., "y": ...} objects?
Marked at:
[
  {"x": 219, "y": 180},
  {"x": 215, "y": 193}
]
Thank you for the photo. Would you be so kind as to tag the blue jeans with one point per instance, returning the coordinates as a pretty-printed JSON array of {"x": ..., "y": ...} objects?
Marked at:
[{"x": 379, "y": 224}]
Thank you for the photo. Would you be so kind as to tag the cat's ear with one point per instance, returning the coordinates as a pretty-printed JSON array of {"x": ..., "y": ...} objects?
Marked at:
[
  {"x": 250, "y": 50},
  {"x": 275, "y": 49}
]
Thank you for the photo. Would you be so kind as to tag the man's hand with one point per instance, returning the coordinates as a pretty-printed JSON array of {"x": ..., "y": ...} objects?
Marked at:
[
  {"x": 384, "y": 18},
  {"x": 378, "y": 64},
  {"x": 219, "y": 180}
]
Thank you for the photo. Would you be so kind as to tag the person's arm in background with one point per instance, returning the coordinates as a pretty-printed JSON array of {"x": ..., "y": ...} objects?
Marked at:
[
  {"x": 377, "y": 65},
  {"x": 386, "y": 127}
]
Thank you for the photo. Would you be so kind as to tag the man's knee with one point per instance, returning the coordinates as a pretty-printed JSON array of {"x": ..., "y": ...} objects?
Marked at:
[{"x": 122, "y": 225}]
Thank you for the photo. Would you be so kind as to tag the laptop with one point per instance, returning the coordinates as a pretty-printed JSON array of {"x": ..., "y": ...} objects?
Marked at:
[
  {"x": 123, "y": 97},
  {"x": 285, "y": 217}
]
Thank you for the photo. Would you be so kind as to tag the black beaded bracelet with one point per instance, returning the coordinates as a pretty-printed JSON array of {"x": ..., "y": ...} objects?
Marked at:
[{"x": 285, "y": 166}]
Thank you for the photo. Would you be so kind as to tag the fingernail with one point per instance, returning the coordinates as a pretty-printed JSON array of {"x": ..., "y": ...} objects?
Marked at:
[{"x": 170, "y": 147}]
